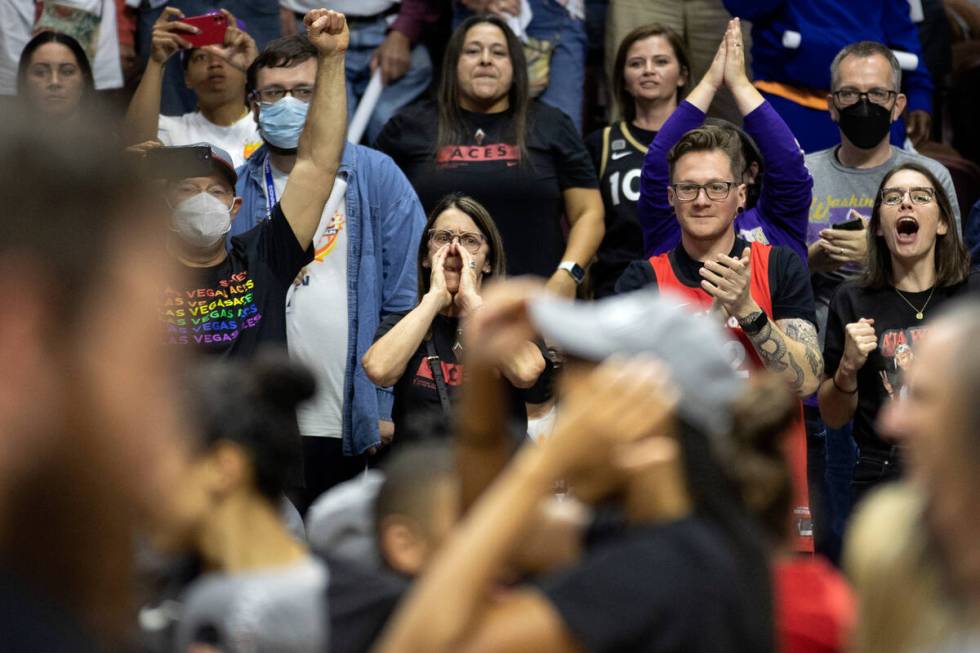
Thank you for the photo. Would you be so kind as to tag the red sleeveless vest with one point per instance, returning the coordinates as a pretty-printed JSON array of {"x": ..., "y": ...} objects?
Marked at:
[{"x": 746, "y": 360}]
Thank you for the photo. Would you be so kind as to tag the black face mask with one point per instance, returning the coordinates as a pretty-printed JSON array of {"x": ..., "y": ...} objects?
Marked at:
[{"x": 865, "y": 123}]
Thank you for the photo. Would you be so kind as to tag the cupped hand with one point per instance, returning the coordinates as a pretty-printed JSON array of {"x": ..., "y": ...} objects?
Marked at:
[
  {"x": 467, "y": 298},
  {"x": 327, "y": 31},
  {"x": 437, "y": 277},
  {"x": 729, "y": 281}
]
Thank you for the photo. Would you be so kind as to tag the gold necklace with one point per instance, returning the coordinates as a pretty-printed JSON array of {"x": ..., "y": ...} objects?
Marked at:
[{"x": 919, "y": 312}]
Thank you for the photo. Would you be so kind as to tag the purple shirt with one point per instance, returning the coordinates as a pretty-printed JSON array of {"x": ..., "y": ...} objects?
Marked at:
[{"x": 781, "y": 215}]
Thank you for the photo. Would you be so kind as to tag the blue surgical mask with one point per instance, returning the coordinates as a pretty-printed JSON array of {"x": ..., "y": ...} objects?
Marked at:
[{"x": 281, "y": 123}]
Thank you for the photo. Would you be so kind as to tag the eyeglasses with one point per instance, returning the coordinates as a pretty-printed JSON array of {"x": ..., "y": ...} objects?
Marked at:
[
  {"x": 921, "y": 195},
  {"x": 715, "y": 190},
  {"x": 848, "y": 96},
  {"x": 276, "y": 93},
  {"x": 471, "y": 241}
]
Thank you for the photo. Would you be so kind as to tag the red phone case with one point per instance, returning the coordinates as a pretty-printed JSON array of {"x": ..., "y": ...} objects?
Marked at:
[{"x": 212, "y": 28}]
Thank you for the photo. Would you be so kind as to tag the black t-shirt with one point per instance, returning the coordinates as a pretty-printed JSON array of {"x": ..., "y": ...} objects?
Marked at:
[
  {"x": 417, "y": 412},
  {"x": 897, "y": 330},
  {"x": 237, "y": 306},
  {"x": 789, "y": 283},
  {"x": 617, "y": 152},
  {"x": 360, "y": 601},
  {"x": 655, "y": 588},
  {"x": 523, "y": 197}
]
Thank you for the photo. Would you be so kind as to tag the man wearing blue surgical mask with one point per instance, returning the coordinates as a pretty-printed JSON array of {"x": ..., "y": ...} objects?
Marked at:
[
  {"x": 232, "y": 303},
  {"x": 363, "y": 268}
]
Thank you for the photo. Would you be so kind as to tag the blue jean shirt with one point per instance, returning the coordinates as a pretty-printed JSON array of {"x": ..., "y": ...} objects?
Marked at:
[{"x": 385, "y": 221}]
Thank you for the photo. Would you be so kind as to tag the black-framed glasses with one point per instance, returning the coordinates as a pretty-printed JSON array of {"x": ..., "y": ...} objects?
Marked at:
[
  {"x": 468, "y": 239},
  {"x": 715, "y": 190},
  {"x": 918, "y": 195},
  {"x": 847, "y": 96},
  {"x": 272, "y": 94}
]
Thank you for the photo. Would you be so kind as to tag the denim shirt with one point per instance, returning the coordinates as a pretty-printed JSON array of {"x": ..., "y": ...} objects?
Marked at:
[{"x": 385, "y": 221}]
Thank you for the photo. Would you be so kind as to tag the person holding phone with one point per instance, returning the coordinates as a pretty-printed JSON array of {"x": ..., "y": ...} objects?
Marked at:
[{"x": 215, "y": 54}]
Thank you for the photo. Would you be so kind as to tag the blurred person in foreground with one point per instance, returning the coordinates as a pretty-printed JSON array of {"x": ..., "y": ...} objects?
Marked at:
[
  {"x": 916, "y": 262},
  {"x": 54, "y": 80},
  {"x": 259, "y": 588},
  {"x": 363, "y": 268},
  {"x": 685, "y": 570},
  {"x": 81, "y": 346},
  {"x": 920, "y": 586},
  {"x": 420, "y": 353},
  {"x": 236, "y": 301}
]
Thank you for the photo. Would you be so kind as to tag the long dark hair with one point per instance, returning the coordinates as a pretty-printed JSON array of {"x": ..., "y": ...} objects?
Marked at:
[
  {"x": 626, "y": 102},
  {"x": 43, "y": 38},
  {"x": 451, "y": 126},
  {"x": 478, "y": 214},
  {"x": 952, "y": 262}
]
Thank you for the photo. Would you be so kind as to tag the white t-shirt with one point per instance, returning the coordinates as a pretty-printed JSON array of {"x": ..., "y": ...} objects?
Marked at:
[
  {"x": 239, "y": 139},
  {"x": 346, "y": 7},
  {"x": 316, "y": 316}
]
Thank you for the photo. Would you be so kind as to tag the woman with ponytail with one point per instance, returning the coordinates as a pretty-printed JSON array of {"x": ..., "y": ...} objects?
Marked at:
[{"x": 261, "y": 589}]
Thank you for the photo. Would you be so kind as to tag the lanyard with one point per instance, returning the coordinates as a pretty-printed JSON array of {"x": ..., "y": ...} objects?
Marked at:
[{"x": 270, "y": 189}]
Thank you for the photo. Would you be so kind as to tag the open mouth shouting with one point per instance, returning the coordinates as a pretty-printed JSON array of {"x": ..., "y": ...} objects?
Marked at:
[{"x": 906, "y": 229}]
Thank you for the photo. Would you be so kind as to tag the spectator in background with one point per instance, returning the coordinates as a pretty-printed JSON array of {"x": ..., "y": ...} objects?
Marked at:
[
  {"x": 420, "y": 352},
  {"x": 701, "y": 24},
  {"x": 217, "y": 75},
  {"x": 84, "y": 454},
  {"x": 971, "y": 234},
  {"x": 866, "y": 79},
  {"x": 651, "y": 73},
  {"x": 776, "y": 214},
  {"x": 362, "y": 271},
  {"x": 236, "y": 301},
  {"x": 260, "y": 18},
  {"x": 522, "y": 160},
  {"x": 54, "y": 80},
  {"x": 261, "y": 590},
  {"x": 554, "y": 42},
  {"x": 915, "y": 263},
  {"x": 794, "y": 42},
  {"x": 385, "y": 35}
]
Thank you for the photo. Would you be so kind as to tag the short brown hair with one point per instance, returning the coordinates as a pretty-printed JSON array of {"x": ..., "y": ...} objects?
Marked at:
[
  {"x": 627, "y": 107},
  {"x": 952, "y": 262},
  {"x": 479, "y": 214},
  {"x": 707, "y": 139},
  {"x": 283, "y": 52}
]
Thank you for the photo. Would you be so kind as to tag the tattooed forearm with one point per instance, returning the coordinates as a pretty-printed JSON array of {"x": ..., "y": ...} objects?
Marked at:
[{"x": 783, "y": 346}]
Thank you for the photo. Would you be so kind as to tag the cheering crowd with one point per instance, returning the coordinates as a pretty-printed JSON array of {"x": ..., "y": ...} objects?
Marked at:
[{"x": 352, "y": 328}]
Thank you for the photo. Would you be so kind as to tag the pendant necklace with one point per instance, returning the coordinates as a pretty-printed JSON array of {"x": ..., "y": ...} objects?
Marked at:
[{"x": 920, "y": 313}]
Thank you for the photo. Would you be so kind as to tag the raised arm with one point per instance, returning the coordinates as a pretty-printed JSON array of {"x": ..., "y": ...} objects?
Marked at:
[
  {"x": 143, "y": 114},
  {"x": 322, "y": 141}
]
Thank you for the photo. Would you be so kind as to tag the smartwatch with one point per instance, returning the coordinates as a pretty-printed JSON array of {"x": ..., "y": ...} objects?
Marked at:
[
  {"x": 574, "y": 270},
  {"x": 754, "y": 323}
]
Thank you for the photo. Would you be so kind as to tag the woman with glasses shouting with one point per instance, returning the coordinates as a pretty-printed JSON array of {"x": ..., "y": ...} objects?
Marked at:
[
  {"x": 420, "y": 352},
  {"x": 916, "y": 262}
]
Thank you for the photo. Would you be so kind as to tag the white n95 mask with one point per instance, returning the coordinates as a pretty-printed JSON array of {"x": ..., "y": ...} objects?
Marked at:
[{"x": 201, "y": 220}]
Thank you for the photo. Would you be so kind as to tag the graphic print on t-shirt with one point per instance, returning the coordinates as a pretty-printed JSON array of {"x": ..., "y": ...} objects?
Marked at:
[
  {"x": 329, "y": 238},
  {"x": 897, "y": 348},
  {"x": 211, "y": 315},
  {"x": 458, "y": 155},
  {"x": 451, "y": 372}
]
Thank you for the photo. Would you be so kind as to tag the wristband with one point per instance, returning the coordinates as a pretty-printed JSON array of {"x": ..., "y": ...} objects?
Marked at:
[{"x": 840, "y": 389}]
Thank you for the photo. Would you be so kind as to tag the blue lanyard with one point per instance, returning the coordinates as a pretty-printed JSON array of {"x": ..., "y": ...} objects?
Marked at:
[{"x": 270, "y": 189}]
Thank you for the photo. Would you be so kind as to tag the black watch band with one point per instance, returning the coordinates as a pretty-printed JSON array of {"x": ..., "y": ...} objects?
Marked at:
[{"x": 754, "y": 323}]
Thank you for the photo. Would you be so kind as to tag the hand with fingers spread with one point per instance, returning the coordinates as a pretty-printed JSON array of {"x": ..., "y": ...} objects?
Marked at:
[
  {"x": 859, "y": 341},
  {"x": 239, "y": 49},
  {"x": 621, "y": 402},
  {"x": 166, "y": 38},
  {"x": 467, "y": 298},
  {"x": 728, "y": 280},
  {"x": 327, "y": 31},
  {"x": 438, "y": 289}
]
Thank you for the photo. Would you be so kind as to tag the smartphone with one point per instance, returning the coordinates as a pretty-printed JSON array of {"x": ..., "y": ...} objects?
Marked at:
[
  {"x": 857, "y": 224},
  {"x": 212, "y": 28},
  {"x": 178, "y": 162}
]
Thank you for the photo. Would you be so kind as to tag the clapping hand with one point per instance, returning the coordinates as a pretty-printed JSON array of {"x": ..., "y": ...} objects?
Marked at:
[{"x": 728, "y": 281}]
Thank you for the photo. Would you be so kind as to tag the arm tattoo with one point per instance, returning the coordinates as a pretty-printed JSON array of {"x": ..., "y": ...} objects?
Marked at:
[{"x": 771, "y": 345}]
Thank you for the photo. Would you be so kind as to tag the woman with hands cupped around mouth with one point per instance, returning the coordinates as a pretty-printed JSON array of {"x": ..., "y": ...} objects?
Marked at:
[{"x": 420, "y": 353}]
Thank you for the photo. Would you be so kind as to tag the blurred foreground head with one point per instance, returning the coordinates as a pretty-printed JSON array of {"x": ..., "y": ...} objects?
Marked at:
[
  {"x": 86, "y": 393},
  {"x": 938, "y": 424}
]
